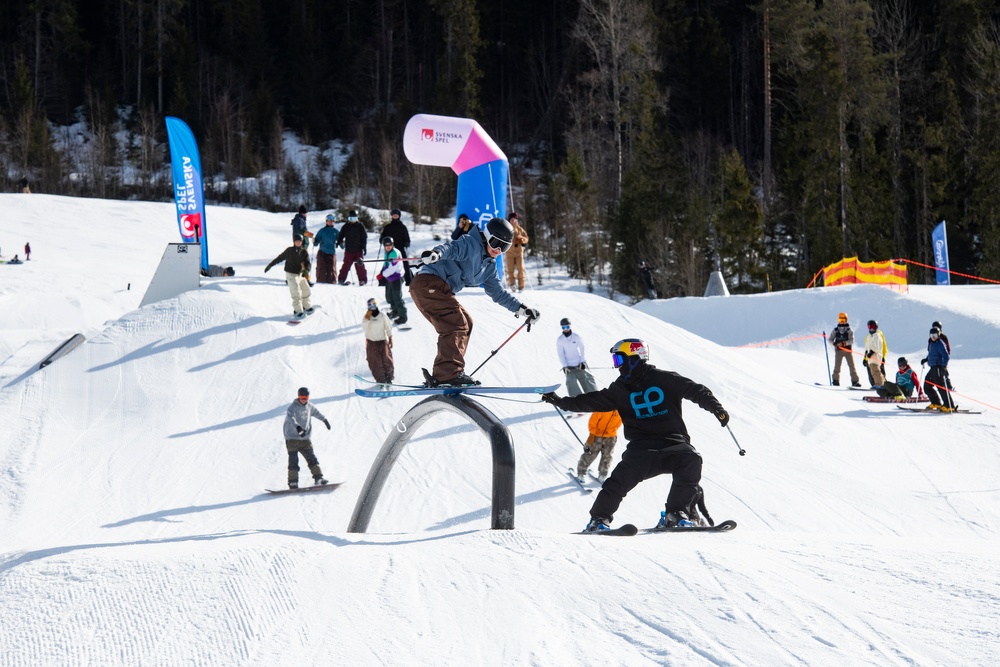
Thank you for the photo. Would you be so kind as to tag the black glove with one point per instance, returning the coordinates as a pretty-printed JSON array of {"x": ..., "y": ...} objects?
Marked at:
[
  {"x": 429, "y": 256},
  {"x": 327, "y": 422},
  {"x": 583, "y": 366},
  {"x": 550, "y": 398},
  {"x": 923, "y": 361},
  {"x": 723, "y": 417},
  {"x": 300, "y": 430},
  {"x": 530, "y": 313},
  {"x": 565, "y": 370},
  {"x": 267, "y": 268}
]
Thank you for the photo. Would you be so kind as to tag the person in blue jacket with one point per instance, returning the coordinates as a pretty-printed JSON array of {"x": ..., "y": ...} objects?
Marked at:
[
  {"x": 326, "y": 255},
  {"x": 467, "y": 261},
  {"x": 937, "y": 377}
]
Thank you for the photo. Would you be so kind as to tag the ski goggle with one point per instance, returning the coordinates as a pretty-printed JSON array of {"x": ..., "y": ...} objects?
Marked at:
[
  {"x": 498, "y": 243},
  {"x": 617, "y": 359},
  {"x": 565, "y": 327}
]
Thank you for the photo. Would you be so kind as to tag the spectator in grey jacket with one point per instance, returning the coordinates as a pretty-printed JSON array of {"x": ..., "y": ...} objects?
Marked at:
[{"x": 297, "y": 431}]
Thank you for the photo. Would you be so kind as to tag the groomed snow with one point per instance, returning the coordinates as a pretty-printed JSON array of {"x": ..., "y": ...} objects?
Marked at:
[{"x": 134, "y": 529}]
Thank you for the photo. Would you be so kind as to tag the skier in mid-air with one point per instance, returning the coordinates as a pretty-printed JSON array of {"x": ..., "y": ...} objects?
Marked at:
[{"x": 649, "y": 402}]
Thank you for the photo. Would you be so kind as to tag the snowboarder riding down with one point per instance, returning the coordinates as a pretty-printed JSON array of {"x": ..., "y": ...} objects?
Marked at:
[
  {"x": 649, "y": 402},
  {"x": 297, "y": 431},
  {"x": 450, "y": 267},
  {"x": 297, "y": 266}
]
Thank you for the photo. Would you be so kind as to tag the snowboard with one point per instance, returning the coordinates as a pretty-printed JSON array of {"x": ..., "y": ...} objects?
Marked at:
[
  {"x": 298, "y": 320},
  {"x": 583, "y": 487},
  {"x": 939, "y": 412},
  {"x": 395, "y": 390},
  {"x": 622, "y": 531},
  {"x": 305, "y": 489},
  {"x": 910, "y": 399},
  {"x": 723, "y": 527}
]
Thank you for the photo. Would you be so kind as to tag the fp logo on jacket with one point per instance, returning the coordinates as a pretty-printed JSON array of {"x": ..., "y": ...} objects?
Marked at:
[{"x": 644, "y": 403}]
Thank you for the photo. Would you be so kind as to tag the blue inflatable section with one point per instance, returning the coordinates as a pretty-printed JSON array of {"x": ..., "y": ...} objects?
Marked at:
[{"x": 482, "y": 195}]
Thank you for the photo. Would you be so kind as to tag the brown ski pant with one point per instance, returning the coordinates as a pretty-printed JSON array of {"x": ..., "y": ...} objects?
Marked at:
[
  {"x": 379, "y": 356},
  {"x": 434, "y": 299}
]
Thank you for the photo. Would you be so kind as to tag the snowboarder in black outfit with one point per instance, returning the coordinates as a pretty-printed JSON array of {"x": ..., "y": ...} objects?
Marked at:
[
  {"x": 649, "y": 402},
  {"x": 297, "y": 430}
]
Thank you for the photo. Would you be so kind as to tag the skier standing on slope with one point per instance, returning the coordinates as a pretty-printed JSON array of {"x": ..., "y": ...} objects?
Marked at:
[
  {"x": 467, "y": 261},
  {"x": 842, "y": 339},
  {"x": 603, "y": 427},
  {"x": 297, "y": 266},
  {"x": 937, "y": 377},
  {"x": 649, "y": 402},
  {"x": 297, "y": 431},
  {"x": 875, "y": 353},
  {"x": 572, "y": 356}
]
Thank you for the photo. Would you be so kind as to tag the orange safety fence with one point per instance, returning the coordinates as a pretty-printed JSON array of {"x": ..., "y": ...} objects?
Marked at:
[{"x": 851, "y": 271}]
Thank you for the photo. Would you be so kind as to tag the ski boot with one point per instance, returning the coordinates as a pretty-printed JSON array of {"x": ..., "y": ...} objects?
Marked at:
[
  {"x": 293, "y": 485},
  {"x": 597, "y": 524},
  {"x": 670, "y": 520},
  {"x": 320, "y": 481}
]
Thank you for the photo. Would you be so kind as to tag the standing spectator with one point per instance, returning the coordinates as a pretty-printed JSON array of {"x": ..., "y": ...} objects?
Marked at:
[
  {"x": 875, "y": 353},
  {"x": 603, "y": 437},
  {"x": 326, "y": 252},
  {"x": 649, "y": 402},
  {"x": 941, "y": 335},
  {"x": 572, "y": 356},
  {"x": 299, "y": 226},
  {"x": 378, "y": 343},
  {"x": 446, "y": 270},
  {"x": 842, "y": 339},
  {"x": 354, "y": 240},
  {"x": 296, "y": 260},
  {"x": 297, "y": 431},
  {"x": 646, "y": 276},
  {"x": 27, "y": 251},
  {"x": 463, "y": 227},
  {"x": 401, "y": 235},
  {"x": 392, "y": 275},
  {"x": 937, "y": 379},
  {"x": 515, "y": 257},
  {"x": 23, "y": 184}
]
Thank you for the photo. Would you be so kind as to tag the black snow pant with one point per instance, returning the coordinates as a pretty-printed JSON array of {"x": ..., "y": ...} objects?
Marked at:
[
  {"x": 938, "y": 381},
  {"x": 640, "y": 463},
  {"x": 304, "y": 447}
]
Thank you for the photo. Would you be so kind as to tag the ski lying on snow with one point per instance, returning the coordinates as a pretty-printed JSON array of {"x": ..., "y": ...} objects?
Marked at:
[
  {"x": 410, "y": 390},
  {"x": 723, "y": 527},
  {"x": 910, "y": 399},
  {"x": 622, "y": 531},
  {"x": 940, "y": 412},
  {"x": 583, "y": 487},
  {"x": 305, "y": 489}
]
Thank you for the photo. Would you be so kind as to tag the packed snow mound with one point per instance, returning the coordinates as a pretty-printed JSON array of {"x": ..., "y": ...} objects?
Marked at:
[{"x": 136, "y": 529}]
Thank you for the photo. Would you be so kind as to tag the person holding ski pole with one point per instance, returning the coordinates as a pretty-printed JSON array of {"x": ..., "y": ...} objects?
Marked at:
[
  {"x": 297, "y": 431},
  {"x": 603, "y": 427},
  {"x": 649, "y": 402},
  {"x": 445, "y": 270},
  {"x": 937, "y": 377},
  {"x": 842, "y": 339}
]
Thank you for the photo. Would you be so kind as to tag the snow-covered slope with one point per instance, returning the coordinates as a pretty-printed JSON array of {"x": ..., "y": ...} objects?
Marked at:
[{"x": 134, "y": 528}]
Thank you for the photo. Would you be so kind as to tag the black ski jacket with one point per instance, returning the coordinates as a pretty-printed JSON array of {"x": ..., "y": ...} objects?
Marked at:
[
  {"x": 296, "y": 260},
  {"x": 353, "y": 237},
  {"x": 399, "y": 233},
  {"x": 649, "y": 402}
]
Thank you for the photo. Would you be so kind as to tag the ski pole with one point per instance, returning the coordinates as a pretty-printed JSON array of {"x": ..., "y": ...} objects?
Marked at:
[
  {"x": 827, "y": 351},
  {"x": 566, "y": 421},
  {"x": 743, "y": 452},
  {"x": 382, "y": 259},
  {"x": 494, "y": 352}
]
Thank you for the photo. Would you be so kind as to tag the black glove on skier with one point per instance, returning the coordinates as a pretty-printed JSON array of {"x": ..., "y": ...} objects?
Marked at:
[
  {"x": 327, "y": 422},
  {"x": 267, "y": 268},
  {"x": 429, "y": 256},
  {"x": 583, "y": 366},
  {"x": 923, "y": 362},
  {"x": 300, "y": 430},
  {"x": 550, "y": 398},
  {"x": 723, "y": 417}
]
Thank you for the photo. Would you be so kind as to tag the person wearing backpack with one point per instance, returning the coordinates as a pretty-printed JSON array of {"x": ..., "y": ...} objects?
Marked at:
[{"x": 842, "y": 339}]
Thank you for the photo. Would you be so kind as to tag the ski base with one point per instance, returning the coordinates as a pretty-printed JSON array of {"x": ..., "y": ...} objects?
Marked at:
[
  {"x": 622, "y": 531},
  {"x": 935, "y": 411},
  {"x": 723, "y": 527},
  {"x": 305, "y": 489}
]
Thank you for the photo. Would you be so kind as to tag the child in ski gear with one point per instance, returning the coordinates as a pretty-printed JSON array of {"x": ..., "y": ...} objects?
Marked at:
[
  {"x": 649, "y": 402},
  {"x": 462, "y": 227},
  {"x": 297, "y": 431},
  {"x": 326, "y": 253},
  {"x": 875, "y": 353},
  {"x": 515, "y": 256},
  {"x": 218, "y": 271},
  {"x": 937, "y": 377},
  {"x": 603, "y": 437},
  {"x": 569, "y": 347},
  {"x": 297, "y": 264},
  {"x": 354, "y": 240},
  {"x": 941, "y": 335},
  {"x": 401, "y": 235},
  {"x": 378, "y": 343},
  {"x": 444, "y": 272},
  {"x": 842, "y": 339},
  {"x": 392, "y": 276},
  {"x": 906, "y": 381}
]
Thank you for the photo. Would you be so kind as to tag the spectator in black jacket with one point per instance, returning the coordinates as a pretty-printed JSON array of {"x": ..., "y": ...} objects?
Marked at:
[
  {"x": 649, "y": 403},
  {"x": 297, "y": 266},
  {"x": 354, "y": 240}
]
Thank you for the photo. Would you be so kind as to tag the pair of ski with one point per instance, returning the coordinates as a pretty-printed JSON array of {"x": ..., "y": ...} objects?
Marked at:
[
  {"x": 384, "y": 390},
  {"x": 629, "y": 529},
  {"x": 583, "y": 485},
  {"x": 930, "y": 410}
]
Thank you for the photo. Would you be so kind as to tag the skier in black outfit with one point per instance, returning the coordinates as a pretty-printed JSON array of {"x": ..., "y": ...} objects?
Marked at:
[
  {"x": 649, "y": 402},
  {"x": 401, "y": 236}
]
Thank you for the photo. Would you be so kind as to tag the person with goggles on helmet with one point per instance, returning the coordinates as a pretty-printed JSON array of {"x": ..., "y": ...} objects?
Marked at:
[
  {"x": 649, "y": 402},
  {"x": 842, "y": 339},
  {"x": 469, "y": 260}
]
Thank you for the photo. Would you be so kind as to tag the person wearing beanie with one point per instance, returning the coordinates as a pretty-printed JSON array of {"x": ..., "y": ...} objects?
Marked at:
[
  {"x": 378, "y": 343},
  {"x": 297, "y": 265}
]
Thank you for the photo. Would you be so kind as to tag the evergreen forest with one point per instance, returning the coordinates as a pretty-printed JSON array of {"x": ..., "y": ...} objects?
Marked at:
[{"x": 766, "y": 138}]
